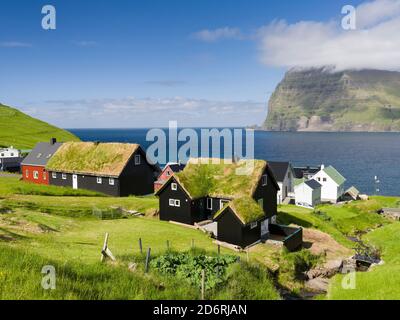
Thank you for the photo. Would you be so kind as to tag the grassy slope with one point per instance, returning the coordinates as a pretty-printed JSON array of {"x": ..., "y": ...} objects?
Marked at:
[
  {"x": 22, "y": 131},
  {"x": 381, "y": 282},
  {"x": 349, "y": 220},
  {"x": 30, "y": 239},
  {"x": 72, "y": 242}
]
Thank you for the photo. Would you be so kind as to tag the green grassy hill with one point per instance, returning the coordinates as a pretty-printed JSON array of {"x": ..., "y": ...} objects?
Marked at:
[{"x": 22, "y": 131}]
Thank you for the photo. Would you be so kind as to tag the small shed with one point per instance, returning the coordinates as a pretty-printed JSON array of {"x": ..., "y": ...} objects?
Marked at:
[
  {"x": 308, "y": 193},
  {"x": 351, "y": 194},
  {"x": 242, "y": 222}
]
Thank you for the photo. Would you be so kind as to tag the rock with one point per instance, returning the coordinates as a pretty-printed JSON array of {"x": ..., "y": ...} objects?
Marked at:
[
  {"x": 132, "y": 267},
  {"x": 319, "y": 285},
  {"x": 331, "y": 268}
]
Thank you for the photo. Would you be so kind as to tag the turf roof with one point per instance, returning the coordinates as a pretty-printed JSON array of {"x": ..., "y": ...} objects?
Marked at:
[
  {"x": 245, "y": 208},
  {"x": 220, "y": 178},
  {"x": 105, "y": 159}
]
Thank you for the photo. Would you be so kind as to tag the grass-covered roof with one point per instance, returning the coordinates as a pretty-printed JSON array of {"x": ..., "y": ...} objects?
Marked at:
[
  {"x": 221, "y": 178},
  {"x": 245, "y": 208},
  {"x": 105, "y": 159}
]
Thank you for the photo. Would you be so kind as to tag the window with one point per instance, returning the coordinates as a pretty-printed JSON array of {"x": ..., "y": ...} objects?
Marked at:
[
  {"x": 2, "y": 154},
  {"x": 49, "y": 156},
  {"x": 209, "y": 203},
  {"x": 264, "y": 180},
  {"x": 99, "y": 180},
  {"x": 137, "y": 159},
  {"x": 12, "y": 154},
  {"x": 177, "y": 203},
  {"x": 111, "y": 181},
  {"x": 171, "y": 202},
  {"x": 324, "y": 179},
  {"x": 64, "y": 176},
  {"x": 27, "y": 173},
  {"x": 35, "y": 175},
  {"x": 319, "y": 179},
  {"x": 168, "y": 173},
  {"x": 44, "y": 175},
  {"x": 54, "y": 175},
  {"x": 253, "y": 225},
  {"x": 174, "y": 186}
]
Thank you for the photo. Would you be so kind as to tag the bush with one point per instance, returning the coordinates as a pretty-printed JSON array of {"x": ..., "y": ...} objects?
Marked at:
[
  {"x": 189, "y": 266},
  {"x": 295, "y": 264}
]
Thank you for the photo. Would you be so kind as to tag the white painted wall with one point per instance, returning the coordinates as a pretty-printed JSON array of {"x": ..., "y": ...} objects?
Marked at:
[
  {"x": 287, "y": 182},
  {"x": 306, "y": 196},
  {"x": 330, "y": 190},
  {"x": 9, "y": 153}
]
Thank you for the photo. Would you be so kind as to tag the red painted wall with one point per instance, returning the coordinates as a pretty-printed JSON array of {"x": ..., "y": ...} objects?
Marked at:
[
  {"x": 163, "y": 176},
  {"x": 28, "y": 174}
]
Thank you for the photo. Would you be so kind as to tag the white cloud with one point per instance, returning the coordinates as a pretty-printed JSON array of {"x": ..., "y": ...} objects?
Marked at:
[
  {"x": 14, "y": 44},
  {"x": 218, "y": 34},
  {"x": 375, "y": 44},
  {"x": 148, "y": 112}
]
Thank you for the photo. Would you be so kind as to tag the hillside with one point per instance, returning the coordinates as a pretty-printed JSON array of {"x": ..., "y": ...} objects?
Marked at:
[
  {"x": 22, "y": 131},
  {"x": 322, "y": 100}
]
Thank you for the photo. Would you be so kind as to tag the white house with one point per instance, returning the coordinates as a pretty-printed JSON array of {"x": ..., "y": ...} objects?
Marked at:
[
  {"x": 284, "y": 175},
  {"x": 10, "y": 159},
  {"x": 308, "y": 193},
  {"x": 10, "y": 153},
  {"x": 332, "y": 184}
]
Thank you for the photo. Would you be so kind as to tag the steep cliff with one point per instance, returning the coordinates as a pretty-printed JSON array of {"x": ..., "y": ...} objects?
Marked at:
[{"x": 322, "y": 100}]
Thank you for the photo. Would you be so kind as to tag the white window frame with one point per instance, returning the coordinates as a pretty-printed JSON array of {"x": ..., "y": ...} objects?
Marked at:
[
  {"x": 137, "y": 159},
  {"x": 27, "y": 173},
  {"x": 36, "y": 175},
  {"x": 209, "y": 203},
  {"x": 111, "y": 181},
  {"x": 64, "y": 176},
  {"x": 177, "y": 203},
  {"x": 54, "y": 175},
  {"x": 99, "y": 180},
  {"x": 44, "y": 175},
  {"x": 174, "y": 186},
  {"x": 264, "y": 179},
  {"x": 253, "y": 225},
  {"x": 172, "y": 202}
]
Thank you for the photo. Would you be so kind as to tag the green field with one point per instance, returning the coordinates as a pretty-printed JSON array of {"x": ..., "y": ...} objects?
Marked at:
[
  {"x": 44, "y": 225},
  {"x": 23, "y": 132}
]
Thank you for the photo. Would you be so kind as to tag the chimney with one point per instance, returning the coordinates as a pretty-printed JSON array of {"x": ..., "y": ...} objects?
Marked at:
[
  {"x": 53, "y": 141},
  {"x": 322, "y": 166}
]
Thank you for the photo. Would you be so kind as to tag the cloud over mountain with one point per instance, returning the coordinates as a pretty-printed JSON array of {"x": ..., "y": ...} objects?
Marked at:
[{"x": 375, "y": 44}]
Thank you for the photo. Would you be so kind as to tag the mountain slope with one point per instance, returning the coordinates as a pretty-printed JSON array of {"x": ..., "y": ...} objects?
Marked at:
[
  {"x": 321, "y": 100},
  {"x": 22, "y": 131}
]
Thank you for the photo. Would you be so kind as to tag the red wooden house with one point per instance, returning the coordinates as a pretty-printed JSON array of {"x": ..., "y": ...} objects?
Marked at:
[
  {"x": 33, "y": 167},
  {"x": 166, "y": 173}
]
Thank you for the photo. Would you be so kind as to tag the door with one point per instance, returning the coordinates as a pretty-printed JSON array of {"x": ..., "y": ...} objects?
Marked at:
[
  {"x": 264, "y": 227},
  {"x": 74, "y": 181}
]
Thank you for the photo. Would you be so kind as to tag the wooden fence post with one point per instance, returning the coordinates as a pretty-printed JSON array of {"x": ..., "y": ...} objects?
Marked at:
[
  {"x": 140, "y": 245},
  {"x": 106, "y": 252},
  {"x": 203, "y": 283},
  {"x": 146, "y": 268}
]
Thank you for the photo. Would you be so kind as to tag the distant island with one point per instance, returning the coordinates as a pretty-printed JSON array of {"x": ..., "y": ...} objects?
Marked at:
[
  {"x": 23, "y": 132},
  {"x": 325, "y": 100}
]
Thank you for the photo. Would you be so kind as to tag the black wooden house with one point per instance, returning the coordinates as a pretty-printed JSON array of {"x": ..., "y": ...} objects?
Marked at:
[
  {"x": 116, "y": 169},
  {"x": 243, "y": 205}
]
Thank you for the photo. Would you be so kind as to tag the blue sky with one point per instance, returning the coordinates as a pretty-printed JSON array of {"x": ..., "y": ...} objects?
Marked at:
[{"x": 142, "y": 63}]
